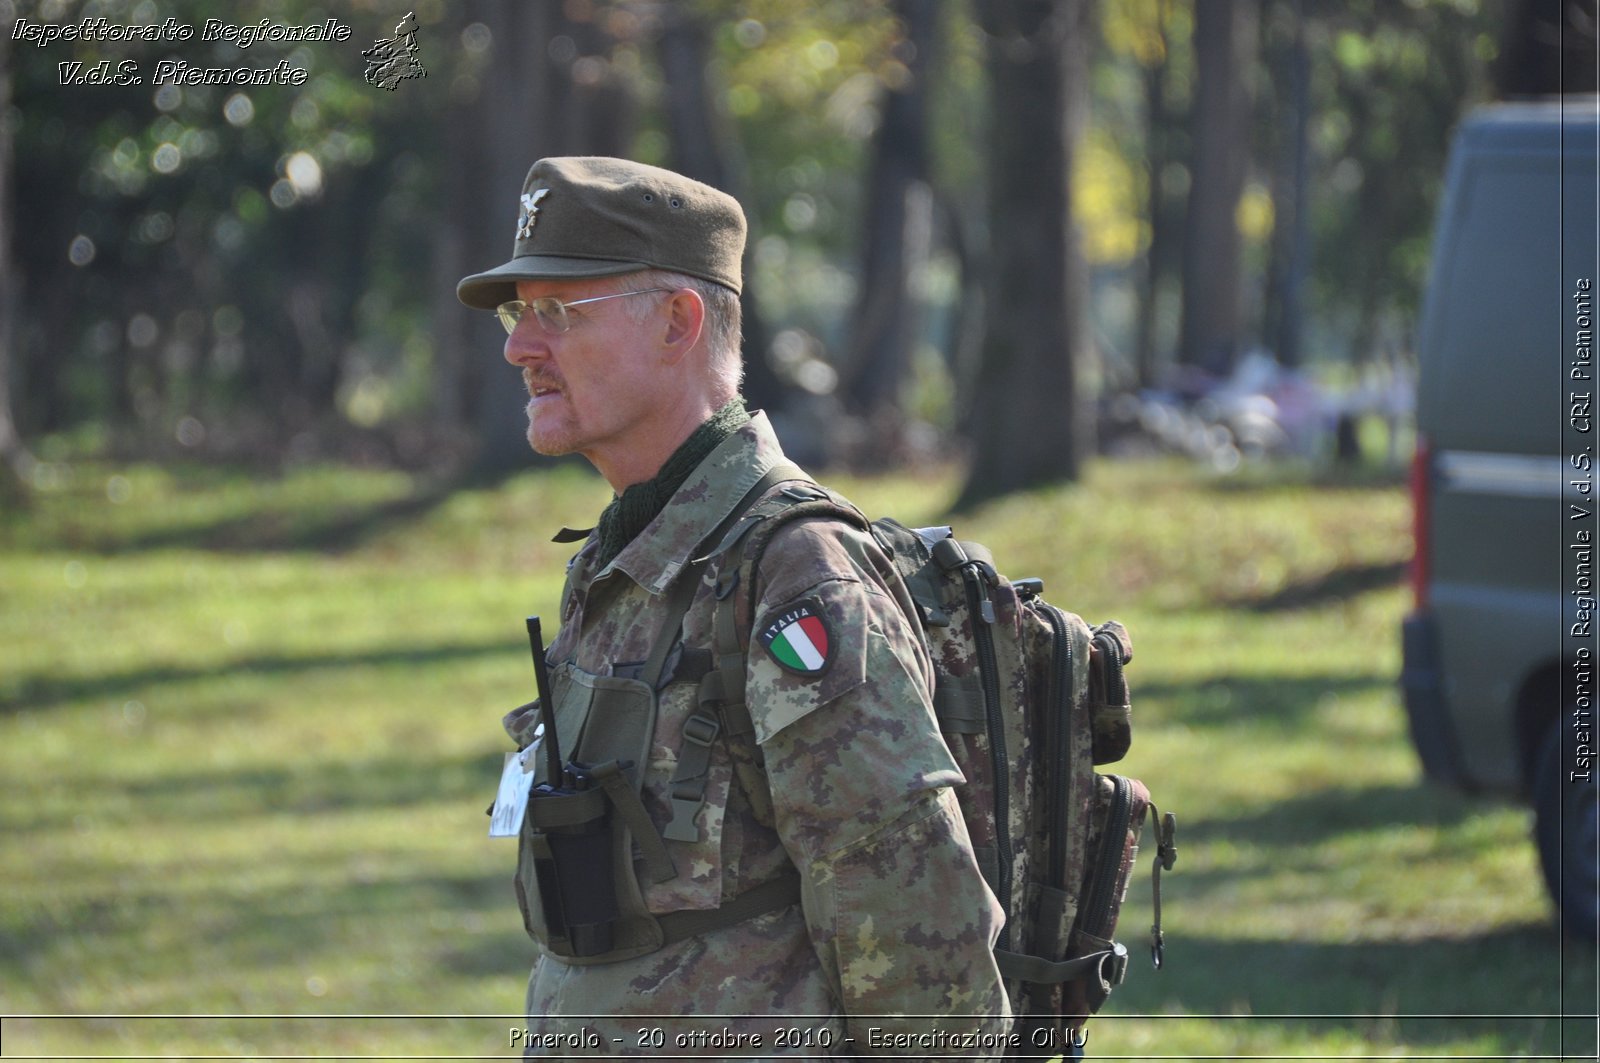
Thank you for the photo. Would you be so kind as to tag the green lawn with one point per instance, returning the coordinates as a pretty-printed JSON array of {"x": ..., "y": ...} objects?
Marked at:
[{"x": 248, "y": 728}]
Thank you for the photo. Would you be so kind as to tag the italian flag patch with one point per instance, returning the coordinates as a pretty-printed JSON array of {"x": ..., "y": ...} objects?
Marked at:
[{"x": 797, "y": 638}]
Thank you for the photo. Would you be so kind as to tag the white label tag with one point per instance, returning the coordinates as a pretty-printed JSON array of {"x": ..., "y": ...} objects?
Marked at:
[{"x": 511, "y": 802}]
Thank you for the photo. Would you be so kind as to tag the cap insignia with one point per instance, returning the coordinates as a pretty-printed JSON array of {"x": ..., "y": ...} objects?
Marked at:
[{"x": 529, "y": 212}]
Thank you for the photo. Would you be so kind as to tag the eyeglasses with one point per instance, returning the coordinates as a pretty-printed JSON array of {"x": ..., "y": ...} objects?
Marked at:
[{"x": 550, "y": 312}]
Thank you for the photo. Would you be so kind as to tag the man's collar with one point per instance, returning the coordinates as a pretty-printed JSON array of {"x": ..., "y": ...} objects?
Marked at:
[{"x": 678, "y": 533}]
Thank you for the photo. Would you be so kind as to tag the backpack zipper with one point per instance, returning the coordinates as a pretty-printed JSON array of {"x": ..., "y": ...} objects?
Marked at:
[
  {"x": 1095, "y": 913},
  {"x": 1111, "y": 654},
  {"x": 1060, "y": 709},
  {"x": 982, "y": 608}
]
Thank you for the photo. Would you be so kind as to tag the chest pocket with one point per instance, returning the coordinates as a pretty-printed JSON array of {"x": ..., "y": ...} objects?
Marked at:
[{"x": 577, "y": 884}]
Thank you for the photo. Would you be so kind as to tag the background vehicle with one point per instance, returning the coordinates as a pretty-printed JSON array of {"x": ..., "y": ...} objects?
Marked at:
[{"x": 1488, "y": 679}]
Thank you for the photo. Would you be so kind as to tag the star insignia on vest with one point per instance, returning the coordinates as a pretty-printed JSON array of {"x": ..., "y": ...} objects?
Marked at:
[
  {"x": 529, "y": 213},
  {"x": 797, "y": 638}
]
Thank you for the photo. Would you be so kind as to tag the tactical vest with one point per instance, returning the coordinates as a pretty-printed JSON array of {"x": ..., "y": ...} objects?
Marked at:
[
  {"x": 587, "y": 838},
  {"x": 1029, "y": 699}
]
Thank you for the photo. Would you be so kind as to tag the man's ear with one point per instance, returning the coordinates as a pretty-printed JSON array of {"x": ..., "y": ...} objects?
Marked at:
[{"x": 685, "y": 320}]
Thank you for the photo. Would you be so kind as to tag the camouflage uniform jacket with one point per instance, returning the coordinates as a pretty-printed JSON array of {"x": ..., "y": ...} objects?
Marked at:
[{"x": 896, "y": 923}]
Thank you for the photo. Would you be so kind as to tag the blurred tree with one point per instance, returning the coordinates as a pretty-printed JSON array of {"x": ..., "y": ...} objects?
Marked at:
[
  {"x": 474, "y": 220},
  {"x": 243, "y": 265},
  {"x": 195, "y": 256},
  {"x": 957, "y": 113},
  {"x": 495, "y": 115},
  {"x": 896, "y": 234},
  {"x": 1031, "y": 421},
  {"x": 14, "y": 457},
  {"x": 1166, "y": 148},
  {"x": 702, "y": 148},
  {"x": 1550, "y": 47},
  {"x": 801, "y": 87},
  {"x": 540, "y": 80},
  {"x": 1288, "y": 114},
  {"x": 1388, "y": 84},
  {"x": 1224, "y": 50}
]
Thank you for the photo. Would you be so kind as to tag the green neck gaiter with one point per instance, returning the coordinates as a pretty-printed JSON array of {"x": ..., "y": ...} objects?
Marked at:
[{"x": 638, "y": 505}]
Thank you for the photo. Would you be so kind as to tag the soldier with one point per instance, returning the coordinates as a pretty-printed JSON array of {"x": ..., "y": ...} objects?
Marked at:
[{"x": 792, "y": 877}]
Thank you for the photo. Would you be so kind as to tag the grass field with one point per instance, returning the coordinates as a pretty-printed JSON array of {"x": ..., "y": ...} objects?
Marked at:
[{"x": 248, "y": 728}]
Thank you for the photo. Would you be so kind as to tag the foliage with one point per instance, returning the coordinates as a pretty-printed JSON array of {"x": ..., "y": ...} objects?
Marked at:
[
  {"x": 1389, "y": 81},
  {"x": 1136, "y": 39},
  {"x": 249, "y": 727},
  {"x": 215, "y": 242},
  {"x": 802, "y": 89},
  {"x": 1389, "y": 84},
  {"x": 218, "y": 257}
]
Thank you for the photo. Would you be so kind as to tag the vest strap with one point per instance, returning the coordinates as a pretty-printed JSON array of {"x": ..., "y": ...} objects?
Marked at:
[
  {"x": 619, "y": 790},
  {"x": 772, "y": 896},
  {"x": 688, "y": 786}
]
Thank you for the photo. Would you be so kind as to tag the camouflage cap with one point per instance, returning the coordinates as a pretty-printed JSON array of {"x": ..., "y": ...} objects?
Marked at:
[{"x": 592, "y": 216}]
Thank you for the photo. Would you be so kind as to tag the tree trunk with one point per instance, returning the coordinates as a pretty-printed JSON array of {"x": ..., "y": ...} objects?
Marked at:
[
  {"x": 965, "y": 328},
  {"x": 1212, "y": 304},
  {"x": 467, "y": 239},
  {"x": 453, "y": 259},
  {"x": 14, "y": 457},
  {"x": 1548, "y": 47},
  {"x": 1030, "y": 418},
  {"x": 701, "y": 149},
  {"x": 896, "y": 226},
  {"x": 1158, "y": 267},
  {"x": 1291, "y": 232},
  {"x": 552, "y": 83}
]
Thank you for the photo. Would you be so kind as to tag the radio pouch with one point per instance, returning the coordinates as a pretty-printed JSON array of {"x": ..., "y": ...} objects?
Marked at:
[{"x": 576, "y": 883}]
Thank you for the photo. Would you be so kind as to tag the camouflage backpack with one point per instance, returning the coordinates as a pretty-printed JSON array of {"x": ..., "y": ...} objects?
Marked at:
[{"x": 1029, "y": 699}]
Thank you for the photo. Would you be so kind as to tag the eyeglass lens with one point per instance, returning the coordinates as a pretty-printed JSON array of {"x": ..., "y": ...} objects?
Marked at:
[{"x": 550, "y": 313}]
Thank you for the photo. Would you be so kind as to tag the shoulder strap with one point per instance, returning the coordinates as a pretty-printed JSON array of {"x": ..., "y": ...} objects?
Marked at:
[
  {"x": 681, "y": 594},
  {"x": 722, "y": 709},
  {"x": 688, "y": 786}
]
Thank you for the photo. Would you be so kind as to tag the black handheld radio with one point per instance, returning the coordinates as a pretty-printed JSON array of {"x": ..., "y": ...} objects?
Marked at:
[{"x": 571, "y": 835}]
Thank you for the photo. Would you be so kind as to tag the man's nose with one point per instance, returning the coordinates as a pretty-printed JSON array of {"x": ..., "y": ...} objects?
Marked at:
[{"x": 526, "y": 344}]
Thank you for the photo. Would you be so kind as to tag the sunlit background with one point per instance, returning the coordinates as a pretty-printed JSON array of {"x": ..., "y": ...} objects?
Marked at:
[{"x": 1131, "y": 286}]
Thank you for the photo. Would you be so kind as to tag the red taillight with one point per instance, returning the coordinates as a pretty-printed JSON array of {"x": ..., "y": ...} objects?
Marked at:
[{"x": 1420, "y": 523}]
